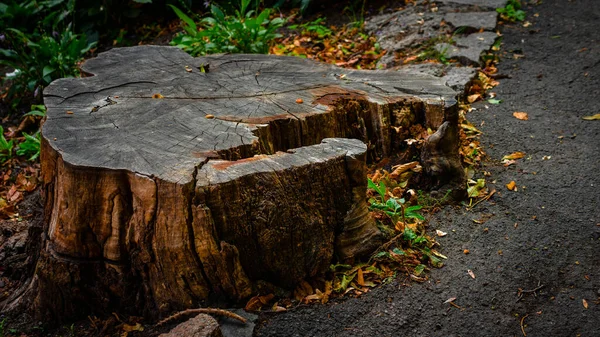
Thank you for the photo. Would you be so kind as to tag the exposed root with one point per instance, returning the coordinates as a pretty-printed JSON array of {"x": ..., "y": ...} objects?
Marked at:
[{"x": 211, "y": 311}]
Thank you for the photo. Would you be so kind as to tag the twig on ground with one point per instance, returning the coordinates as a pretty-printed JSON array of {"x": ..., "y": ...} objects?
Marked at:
[
  {"x": 523, "y": 326},
  {"x": 484, "y": 199},
  {"x": 521, "y": 292},
  {"x": 212, "y": 311}
]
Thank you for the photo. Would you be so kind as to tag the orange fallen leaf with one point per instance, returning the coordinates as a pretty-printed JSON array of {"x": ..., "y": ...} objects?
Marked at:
[
  {"x": 521, "y": 115},
  {"x": 209, "y": 116},
  {"x": 514, "y": 155},
  {"x": 512, "y": 186},
  {"x": 69, "y": 112},
  {"x": 585, "y": 303},
  {"x": 158, "y": 96},
  {"x": 299, "y": 101},
  {"x": 466, "y": 251},
  {"x": 360, "y": 279},
  {"x": 473, "y": 98}
]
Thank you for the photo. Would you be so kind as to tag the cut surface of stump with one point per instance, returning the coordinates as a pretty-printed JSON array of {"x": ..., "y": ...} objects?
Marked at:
[{"x": 170, "y": 180}]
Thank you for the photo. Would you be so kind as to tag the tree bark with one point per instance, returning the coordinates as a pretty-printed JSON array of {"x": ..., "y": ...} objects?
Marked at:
[{"x": 171, "y": 180}]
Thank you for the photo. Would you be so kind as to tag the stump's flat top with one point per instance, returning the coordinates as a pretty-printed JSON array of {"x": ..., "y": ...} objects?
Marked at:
[{"x": 157, "y": 111}]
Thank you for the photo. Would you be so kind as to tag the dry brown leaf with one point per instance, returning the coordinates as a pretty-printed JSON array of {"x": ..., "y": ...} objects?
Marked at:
[
  {"x": 471, "y": 273},
  {"x": 209, "y": 116},
  {"x": 592, "y": 118},
  {"x": 158, "y": 96},
  {"x": 585, "y": 303},
  {"x": 512, "y": 186},
  {"x": 521, "y": 115}
]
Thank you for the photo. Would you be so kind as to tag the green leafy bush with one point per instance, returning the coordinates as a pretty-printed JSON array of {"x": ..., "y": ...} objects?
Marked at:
[
  {"x": 39, "y": 59},
  {"x": 6, "y": 147},
  {"x": 244, "y": 32},
  {"x": 512, "y": 11}
]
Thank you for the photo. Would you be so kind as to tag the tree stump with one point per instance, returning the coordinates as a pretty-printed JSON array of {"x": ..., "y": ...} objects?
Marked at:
[{"x": 169, "y": 179}]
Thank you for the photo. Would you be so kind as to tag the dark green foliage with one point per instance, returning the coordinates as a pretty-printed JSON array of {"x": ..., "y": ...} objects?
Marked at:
[
  {"x": 39, "y": 59},
  {"x": 245, "y": 32}
]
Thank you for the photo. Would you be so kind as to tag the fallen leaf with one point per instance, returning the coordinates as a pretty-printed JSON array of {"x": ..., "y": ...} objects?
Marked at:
[
  {"x": 521, "y": 115},
  {"x": 360, "y": 279},
  {"x": 440, "y": 233},
  {"x": 257, "y": 302},
  {"x": 494, "y": 101},
  {"x": 514, "y": 155},
  {"x": 512, "y": 186},
  {"x": 69, "y": 112},
  {"x": 209, "y": 116},
  {"x": 473, "y": 98},
  {"x": 466, "y": 251},
  {"x": 471, "y": 273},
  {"x": 278, "y": 308},
  {"x": 546, "y": 157},
  {"x": 129, "y": 328},
  {"x": 509, "y": 162},
  {"x": 158, "y": 96},
  {"x": 299, "y": 101},
  {"x": 592, "y": 118},
  {"x": 451, "y": 299},
  {"x": 585, "y": 303}
]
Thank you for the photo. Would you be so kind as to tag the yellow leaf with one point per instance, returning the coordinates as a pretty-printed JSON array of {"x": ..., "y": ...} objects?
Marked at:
[
  {"x": 521, "y": 115},
  {"x": 514, "y": 155},
  {"x": 591, "y": 118},
  {"x": 512, "y": 186}
]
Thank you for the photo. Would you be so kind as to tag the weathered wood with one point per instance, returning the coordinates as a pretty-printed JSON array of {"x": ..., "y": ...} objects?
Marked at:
[{"x": 170, "y": 180}]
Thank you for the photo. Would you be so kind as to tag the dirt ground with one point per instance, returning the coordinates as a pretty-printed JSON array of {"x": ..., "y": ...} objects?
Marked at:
[{"x": 535, "y": 253}]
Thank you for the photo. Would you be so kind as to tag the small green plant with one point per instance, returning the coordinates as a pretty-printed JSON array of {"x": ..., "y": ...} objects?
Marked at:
[
  {"x": 38, "y": 110},
  {"x": 356, "y": 12},
  {"x": 395, "y": 208},
  {"x": 6, "y": 147},
  {"x": 30, "y": 147},
  {"x": 316, "y": 27},
  {"x": 512, "y": 11},
  {"x": 244, "y": 32}
]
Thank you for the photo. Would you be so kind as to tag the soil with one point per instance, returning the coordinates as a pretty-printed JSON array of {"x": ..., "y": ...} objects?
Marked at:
[{"x": 544, "y": 236}]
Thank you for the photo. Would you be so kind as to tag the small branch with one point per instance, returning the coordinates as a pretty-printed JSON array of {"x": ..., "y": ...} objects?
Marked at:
[
  {"x": 212, "y": 311},
  {"x": 521, "y": 292},
  {"x": 523, "y": 326},
  {"x": 484, "y": 199}
]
